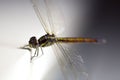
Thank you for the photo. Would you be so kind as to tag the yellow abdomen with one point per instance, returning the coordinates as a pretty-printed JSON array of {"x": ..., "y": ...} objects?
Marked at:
[{"x": 76, "y": 40}]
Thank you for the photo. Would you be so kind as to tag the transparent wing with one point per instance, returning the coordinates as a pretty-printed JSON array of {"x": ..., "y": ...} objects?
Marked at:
[
  {"x": 57, "y": 19},
  {"x": 42, "y": 13},
  {"x": 50, "y": 15},
  {"x": 71, "y": 63}
]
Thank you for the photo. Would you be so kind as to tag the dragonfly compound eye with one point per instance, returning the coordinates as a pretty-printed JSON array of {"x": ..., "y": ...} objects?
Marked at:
[{"x": 33, "y": 42}]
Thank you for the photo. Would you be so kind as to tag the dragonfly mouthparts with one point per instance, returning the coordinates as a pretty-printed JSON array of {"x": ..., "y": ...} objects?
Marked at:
[{"x": 25, "y": 47}]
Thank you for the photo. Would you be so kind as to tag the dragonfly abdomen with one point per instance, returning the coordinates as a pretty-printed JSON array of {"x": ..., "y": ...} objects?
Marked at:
[{"x": 75, "y": 40}]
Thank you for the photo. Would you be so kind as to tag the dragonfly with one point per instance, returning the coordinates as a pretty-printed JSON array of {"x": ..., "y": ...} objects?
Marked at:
[{"x": 69, "y": 63}]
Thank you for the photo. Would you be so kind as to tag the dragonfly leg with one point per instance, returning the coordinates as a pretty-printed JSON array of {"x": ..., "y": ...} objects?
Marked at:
[
  {"x": 36, "y": 53},
  {"x": 26, "y": 47},
  {"x": 42, "y": 51}
]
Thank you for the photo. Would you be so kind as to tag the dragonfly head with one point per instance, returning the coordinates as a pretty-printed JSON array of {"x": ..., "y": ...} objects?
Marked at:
[{"x": 33, "y": 43}]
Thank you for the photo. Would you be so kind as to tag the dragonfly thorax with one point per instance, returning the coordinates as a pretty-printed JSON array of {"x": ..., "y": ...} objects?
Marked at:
[{"x": 46, "y": 40}]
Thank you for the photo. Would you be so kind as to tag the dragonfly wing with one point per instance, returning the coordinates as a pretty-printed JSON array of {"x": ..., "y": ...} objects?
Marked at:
[
  {"x": 71, "y": 64},
  {"x": 55, "y": 16},
  {"x": 62, "y": 62},
  {"x": 50, "y": 15},
  {"x": 41, "y": 11}
]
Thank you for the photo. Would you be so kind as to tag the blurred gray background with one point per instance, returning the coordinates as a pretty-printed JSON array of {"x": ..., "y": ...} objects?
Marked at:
[{"x": 103, "y": 60}]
